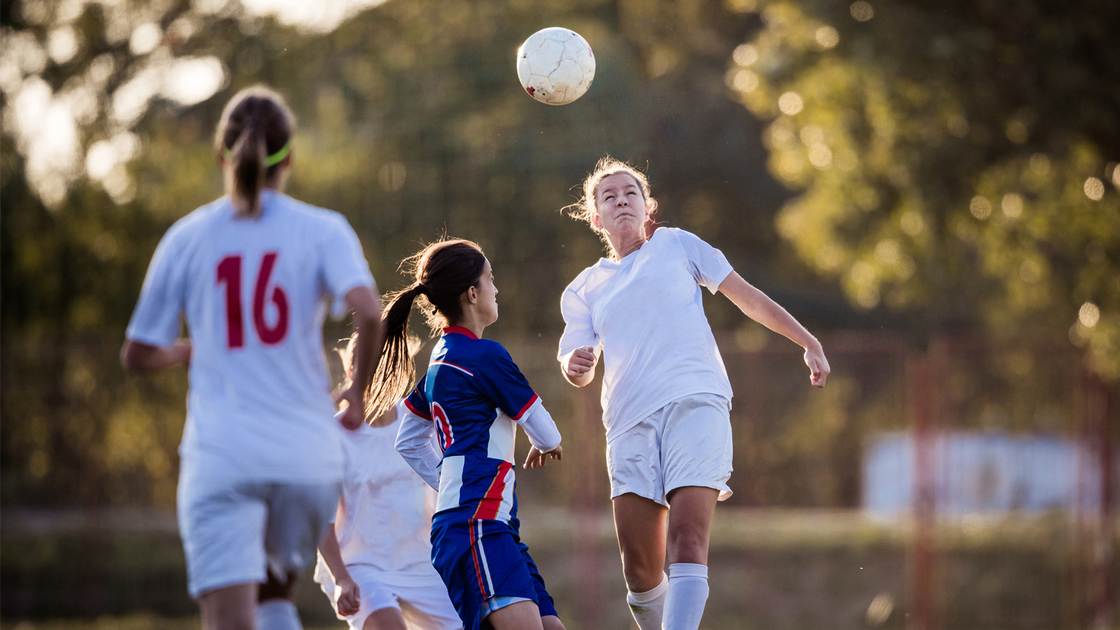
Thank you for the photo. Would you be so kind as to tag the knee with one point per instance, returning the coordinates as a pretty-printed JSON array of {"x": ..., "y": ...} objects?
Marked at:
[
  {"x": 642, "y": 574},
  {"x": 688, "y": 543}
]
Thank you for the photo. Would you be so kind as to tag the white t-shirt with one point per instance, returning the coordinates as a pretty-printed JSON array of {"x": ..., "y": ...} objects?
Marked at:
[
  {"x": 384, "y": 517},
  {"x": 645, "y": 314},
  {"x": 254, "y": 292}
]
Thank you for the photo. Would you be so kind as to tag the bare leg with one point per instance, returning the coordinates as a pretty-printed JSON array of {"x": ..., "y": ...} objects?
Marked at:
[
  {"x": 640, "y": 525},
  {"x": 385, "y": 619},
  {"x": 690, "y": 523},
  {"x": 519, "y": 616},
  {"x": 229, "y": 607}
]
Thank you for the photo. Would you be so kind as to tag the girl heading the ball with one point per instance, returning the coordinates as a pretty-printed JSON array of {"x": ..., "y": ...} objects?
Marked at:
[{"x": 469, "y": 400}]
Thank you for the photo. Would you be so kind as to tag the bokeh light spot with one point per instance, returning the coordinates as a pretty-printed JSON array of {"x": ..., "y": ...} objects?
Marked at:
[
  {"x": 1094, "y": 189},
  {"x": 862, "y": 11},
  {"x": 790, "y": 103},
  {"x": 145, "y": 38},
  {"x": 1089, "y": 315},
  {"x": 980, "y": 207},
  {"x": 1040, "y": 164},
  {"x": 745, "y": 55},
  {"x": 827, "y": 37}
]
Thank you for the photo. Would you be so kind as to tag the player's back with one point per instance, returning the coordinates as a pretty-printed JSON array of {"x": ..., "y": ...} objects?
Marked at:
[
  {"x": 255, "y": 292},
  {"x": 473, "y": 392}
]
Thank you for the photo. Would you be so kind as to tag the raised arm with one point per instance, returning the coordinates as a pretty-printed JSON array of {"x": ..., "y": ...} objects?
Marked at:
[{"x": 758, "y": 306}]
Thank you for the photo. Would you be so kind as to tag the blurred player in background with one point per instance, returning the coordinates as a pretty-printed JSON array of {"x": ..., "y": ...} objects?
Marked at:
[
  {"x": 375, "y": 563},
  {"x": 254, "y": 273},
  {"x": 666, "y": 397},
  {"x": 471, "y": 399}
]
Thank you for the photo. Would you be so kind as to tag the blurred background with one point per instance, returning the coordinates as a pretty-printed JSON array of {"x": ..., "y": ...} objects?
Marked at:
[{"x": 931, "y": 187}]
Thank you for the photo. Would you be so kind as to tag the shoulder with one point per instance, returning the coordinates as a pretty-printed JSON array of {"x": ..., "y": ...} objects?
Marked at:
[
  {"x": 196, "y": 223},
  {"x": 307, "y": 214},
  {"x": 584, "y": 278},
  {"x": 492, "y": 350}
]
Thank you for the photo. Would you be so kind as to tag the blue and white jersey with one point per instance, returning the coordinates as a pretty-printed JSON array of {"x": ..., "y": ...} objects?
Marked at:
[{"x": 474, "y": 394}]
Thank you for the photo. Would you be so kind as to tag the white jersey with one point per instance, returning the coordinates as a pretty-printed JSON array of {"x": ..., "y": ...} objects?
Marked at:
[
  {"x": 254, "y": 292},
  {"x": 384, "y": 516},
  {"x": 645, "y": 314}
]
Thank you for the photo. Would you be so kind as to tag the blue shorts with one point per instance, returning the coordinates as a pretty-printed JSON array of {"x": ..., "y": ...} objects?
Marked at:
[{"x": 481, "y": 559}]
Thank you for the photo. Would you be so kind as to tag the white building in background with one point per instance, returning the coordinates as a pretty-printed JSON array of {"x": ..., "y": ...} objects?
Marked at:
[{"x": 982, "y": 473}]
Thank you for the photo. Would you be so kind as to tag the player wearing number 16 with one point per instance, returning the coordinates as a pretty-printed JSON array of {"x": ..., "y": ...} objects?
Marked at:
[{"x": 254, "y": 273}]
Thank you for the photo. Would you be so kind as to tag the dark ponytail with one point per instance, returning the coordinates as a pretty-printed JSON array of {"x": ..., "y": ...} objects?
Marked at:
[
  {"x": 254, "y": 138},
  {"x": 443, "y": 271}
]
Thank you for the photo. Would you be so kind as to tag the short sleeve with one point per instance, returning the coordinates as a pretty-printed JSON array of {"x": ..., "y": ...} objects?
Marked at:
[
  {"x": 417, "y": 402},
  {"x": 500, "y": 380},
  {"x": 709, "y": 265},
  {"x": 579, "y": 329},
  {"x": 157, "y": 317},
  {"x": 344, "y": 265}
]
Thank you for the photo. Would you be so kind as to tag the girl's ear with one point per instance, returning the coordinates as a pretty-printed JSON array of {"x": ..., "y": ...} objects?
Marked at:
[{"x": 595, "y": 221}]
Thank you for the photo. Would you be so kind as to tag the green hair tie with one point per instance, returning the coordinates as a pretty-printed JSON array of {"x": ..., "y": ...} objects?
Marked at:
[{"x": 271, "y": 160}]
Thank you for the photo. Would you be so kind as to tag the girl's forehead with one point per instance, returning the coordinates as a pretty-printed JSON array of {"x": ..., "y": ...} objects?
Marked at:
[{"x": 620, "y": 179}]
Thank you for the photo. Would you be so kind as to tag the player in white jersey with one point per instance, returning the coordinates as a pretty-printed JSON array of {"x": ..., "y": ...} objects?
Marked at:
[
  {"x": 666, "y": 397},
  {"x": 261, "y": 458},
  {"x": 375, "y": 560}
]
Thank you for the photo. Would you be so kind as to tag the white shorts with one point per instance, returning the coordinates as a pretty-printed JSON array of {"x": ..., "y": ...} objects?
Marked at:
[
  {"x": 421, "y": 597},
  {"x": 233, "y": 532},
  {"x": 685, "y": 443}
]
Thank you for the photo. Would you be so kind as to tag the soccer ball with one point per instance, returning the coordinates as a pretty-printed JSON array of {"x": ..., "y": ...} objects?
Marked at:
[{"x": 555, "y": 65}]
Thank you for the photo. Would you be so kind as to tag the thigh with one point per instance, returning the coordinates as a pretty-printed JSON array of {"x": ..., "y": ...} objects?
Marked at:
[
  {"x": 696, "y": 444},
  {"x": 640, "y": 525},
  {"x": 298, "y": 515},
  {"x": 222, "y": 527},
  {"x": 384, "y": 619}
]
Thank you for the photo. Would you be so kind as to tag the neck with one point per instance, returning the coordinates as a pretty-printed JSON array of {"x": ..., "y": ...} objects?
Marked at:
[
  {"x": 472, "y": 323},
  {"x": 625, "y": 245}
]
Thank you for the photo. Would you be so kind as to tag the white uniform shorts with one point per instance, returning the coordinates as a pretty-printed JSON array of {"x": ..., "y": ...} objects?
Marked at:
[
  {"x": 421, "y": 597},
  {"x": 233, "y": 532},
  {"x": 685, "y": 443}
]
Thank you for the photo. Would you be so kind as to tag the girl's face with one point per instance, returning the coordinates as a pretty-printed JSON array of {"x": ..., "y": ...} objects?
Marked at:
[
  {"x": 487, "y": 295},
  {"x": 620, "y": 206}
]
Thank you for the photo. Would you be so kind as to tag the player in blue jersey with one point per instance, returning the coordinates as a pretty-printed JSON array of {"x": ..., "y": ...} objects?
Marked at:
[{"x": 469, "y": 401}]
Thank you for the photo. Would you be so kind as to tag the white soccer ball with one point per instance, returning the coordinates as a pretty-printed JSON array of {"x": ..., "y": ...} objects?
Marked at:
[{"x": 555, "y": 65}]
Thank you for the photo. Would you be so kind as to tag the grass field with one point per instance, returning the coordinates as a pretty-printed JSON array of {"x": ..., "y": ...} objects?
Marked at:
[{"x": 795, "y": 570}]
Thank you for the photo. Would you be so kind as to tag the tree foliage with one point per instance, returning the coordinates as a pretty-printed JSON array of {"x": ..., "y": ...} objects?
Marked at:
[{"x": 957, "y": 159}]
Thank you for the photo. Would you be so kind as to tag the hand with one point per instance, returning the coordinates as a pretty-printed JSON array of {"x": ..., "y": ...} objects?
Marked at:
[
  {"x": 348, "y": 597},
  {"x": 818, "y": 364},
  {"x": 580, "y": 362},
  {"x": 537, "y": 458},
  {"x": 352, "y": 414}
]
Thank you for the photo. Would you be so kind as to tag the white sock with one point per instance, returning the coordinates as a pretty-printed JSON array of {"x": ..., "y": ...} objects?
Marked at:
[
  {"x": 278, "y": 614},
  {"x": 688, "y": 592},
  {"x": 646, "y": 607}
]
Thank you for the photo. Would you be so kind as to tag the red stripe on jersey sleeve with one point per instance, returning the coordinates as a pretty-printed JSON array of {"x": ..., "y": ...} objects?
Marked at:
[
  {"x": 526, "y": 407},
  {"x": 423, "y": 414}
]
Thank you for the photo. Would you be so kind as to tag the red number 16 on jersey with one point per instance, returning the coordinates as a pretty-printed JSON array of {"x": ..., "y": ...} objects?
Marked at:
[{"x": 229, "y": 273}]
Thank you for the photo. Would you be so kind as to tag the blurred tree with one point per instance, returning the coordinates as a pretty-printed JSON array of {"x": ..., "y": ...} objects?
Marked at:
[{"x": 956, "y": 159}]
